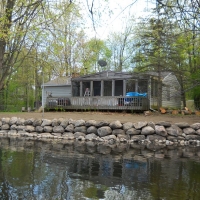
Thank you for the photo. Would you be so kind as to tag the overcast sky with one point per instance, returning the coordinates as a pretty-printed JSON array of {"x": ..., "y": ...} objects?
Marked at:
[{"x": 112, "y": 21}]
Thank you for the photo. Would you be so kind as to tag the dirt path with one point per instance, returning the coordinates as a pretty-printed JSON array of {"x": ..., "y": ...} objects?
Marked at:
[{"x": 106, "y": 116}]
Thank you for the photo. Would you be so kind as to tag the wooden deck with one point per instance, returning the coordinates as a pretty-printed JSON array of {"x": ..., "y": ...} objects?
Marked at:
[{"x": 98, "y": 103}]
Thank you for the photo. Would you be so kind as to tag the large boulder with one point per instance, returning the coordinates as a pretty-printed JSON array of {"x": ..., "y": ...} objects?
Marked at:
[
  {"x": 80, "y": 122},
  {"x": 103, "y": 131},
  {"x": 46, "y": 122},
  {"x": 37, "y": 122},
  {"x": 82, "y": 129},
  {"x": 139, "y": 125},
  {"x": 163, "y": 123},
  {"x": 189, "y": 131},
  {"x": 118, "y": 131},
  {"x": 137, "y": 138},
  {"x": 58, "y": 129},
  {"x": 5, "y": 120},
  {"x": 29, "y": 128},
  {"x": 64, "y": 123},
  {"x": 70, "y": 128},
  {"x": 48, "y": 129},
  {"x": 91, "y": 137},
  {"x": 160, "y": 130},
  {"x": 133, "y": 131},
  {"x": 147, "y": 130},
  {"x": 92, "y": 129},
  {"x": 29, "y": 121},
  {"x": 182, "y": 125},
  {"x": 13, "y": 120},
  {"x": 127, "y": 126},
  {"x": 90, "y": 123},
  {"x": 195, "y": 126},
  {"x": 115, "y": 125}
]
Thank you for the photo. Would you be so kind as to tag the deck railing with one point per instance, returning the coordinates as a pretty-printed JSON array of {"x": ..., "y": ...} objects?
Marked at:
[{"x": 99, "y": 103}]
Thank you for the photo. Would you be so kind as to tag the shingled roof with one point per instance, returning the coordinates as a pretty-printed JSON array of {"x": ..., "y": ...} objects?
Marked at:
[{"x": 59, "y": 81}]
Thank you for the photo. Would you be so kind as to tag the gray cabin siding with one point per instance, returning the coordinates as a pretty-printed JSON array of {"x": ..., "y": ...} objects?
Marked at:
[
  {"x": 57, "y": 91},
  {"x": 171, "y": 97}
]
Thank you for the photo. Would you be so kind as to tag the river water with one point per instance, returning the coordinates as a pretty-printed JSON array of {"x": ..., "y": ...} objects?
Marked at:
[{"x": 75, "y": 170}]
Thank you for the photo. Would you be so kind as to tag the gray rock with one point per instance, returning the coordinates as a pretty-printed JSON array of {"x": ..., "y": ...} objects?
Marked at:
[
  {"x": 122, "y": 136},
  {"x": 182, "y": 125},
  {"x": 71, "y": 121},
  {"x": 29, "y": 121},
  {"x": 160, "y": 130},
  {"x": 39, "y": 129},
  {"x": 179, "y": 130},
  {"x": 171, "y": 131},
  {"x": 80, "y": 122},
  {"x": 115, "y": 125},
  {"x": 80, "y": 138},
  {"x": 195, "y": 126},
  {"x": 0, "y": 123},
  {"x": 109, "y": 137},
  {"x": 20, "y": 128},
  {"x": 82, "y": 129},
  {"x": 155, "y": 137},
  {"x": 198, "y": 132},
  {"x": 68, "y": 136},
  {"x": 103, "y": 131},
  {"x": 46, "y": 135},
  {"x": 192, "y": 137},
  {"x": 58, "y": 129},
  {"x": 56, "y": 134},
  {"x": 133, "y": 131},
  {"x": 77, "y": 134},
  {"x": 92, "y": 129},
  {"x": 55, "y": 122},
  {"x": 137, "y": 138},
  {"x": 70, "y": 128},
  {"x": 13, "y": 120},
  {"x": 5, "y": 120},
  {"x": 46, "y": 122},
  {"x": 4, "y": 133},
  {"x": 64, "y": 123},
  {"x": 118, "y": 131},
  {"x": 148, "y": 130},
  {"x": 13, "y": 127},
  {"x": 102, "y": 123},
  {"x": 20, "y": 121},
  {"x": 172, "y": 138},
  {"x": 13, "y": 133},
  {"x": 5, "y": 127},
  {"x": 163, "y": 123},
  {"x": 37, "y": 122},
  {"x": 189, "y": 131},
  {"x": 29, "y": 128},
  {"x": 127, "y": 126},
  {"x": 139, "y": 125},
  {"x": 91, "y": 137},
  {"x": 90, "y": 123},
  {"x": 48, "y": 129},
  {"x": 103, "y": 149},
  {"x": 151, "y": 124}
]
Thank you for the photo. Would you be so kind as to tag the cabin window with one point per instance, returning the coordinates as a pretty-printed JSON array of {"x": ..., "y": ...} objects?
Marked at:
[
  {"x": 76, "y": 89},
  {"x": 107, "y": 88},
  {"x": 97, "y": 88},
  {"x": 119, "y": 88}
]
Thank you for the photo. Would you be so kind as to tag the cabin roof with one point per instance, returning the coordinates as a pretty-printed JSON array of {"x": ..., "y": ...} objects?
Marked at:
[
  {"x": 107, "y": 75},
  {"x": 60, "y": 81}
]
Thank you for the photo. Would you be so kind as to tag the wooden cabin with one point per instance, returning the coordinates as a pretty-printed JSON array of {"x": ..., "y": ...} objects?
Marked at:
[{"x": 109, "y": 90}]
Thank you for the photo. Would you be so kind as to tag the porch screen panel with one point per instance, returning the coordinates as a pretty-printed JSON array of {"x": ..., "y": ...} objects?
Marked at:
[
  {"x": 76, "y": 89},
  {"x": 86, "y": 84},
  {"x": 107, "y": 88},
  {"x": 97, "y": 88},
  {"x": 119, "y": 88},
  {"x": 130, "y": 85},
  {"x": 143, "y": 86}
]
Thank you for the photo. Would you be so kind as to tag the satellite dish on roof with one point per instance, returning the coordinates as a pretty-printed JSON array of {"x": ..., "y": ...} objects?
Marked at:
[{"x": 102, "y": 63}]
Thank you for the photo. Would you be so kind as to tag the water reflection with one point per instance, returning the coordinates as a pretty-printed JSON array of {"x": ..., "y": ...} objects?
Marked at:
[{"x": 66, "y": 170}]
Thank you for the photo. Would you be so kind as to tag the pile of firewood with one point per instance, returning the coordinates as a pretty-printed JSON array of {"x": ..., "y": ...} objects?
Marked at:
[{"x": 184, "y": 111}]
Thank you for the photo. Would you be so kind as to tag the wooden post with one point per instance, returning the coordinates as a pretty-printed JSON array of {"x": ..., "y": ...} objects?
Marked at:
[
  {"x": 113, "y": 88},
  {"x": 124, "y": 87},
  {"x": 81, "y": 88},
  {"x": 91, "y": 88},
  {"x": 102, "y": 88}
]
